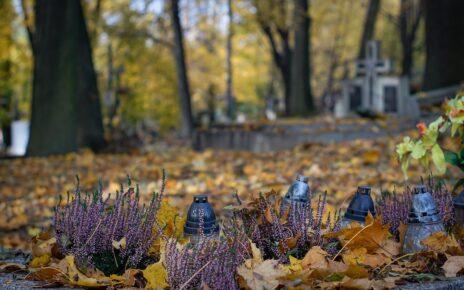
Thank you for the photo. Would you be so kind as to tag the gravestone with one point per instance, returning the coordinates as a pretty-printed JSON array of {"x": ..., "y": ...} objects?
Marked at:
[
  {"x": 19, "y": 137},
  {"x": 376, "y": 89}
]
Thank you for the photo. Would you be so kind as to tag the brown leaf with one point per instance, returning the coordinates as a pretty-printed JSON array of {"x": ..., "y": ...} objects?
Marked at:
[
  {"x": 77, "y": 278},
  {"x": 371, "y": 157},
  {"x": 262, "y": 275},
  {"x": 315, "y": 258},
  {"x": 356, "y": 272},
  {"x": 360, "y": 256},
  {"x": 389, "y": 248},
  {"x": 453, "y": 265},
  {"x": 47, "y": 274},
  {"x": 268, "y": 215},
  {"x": 284, "y": 216},
  {"x": 362, "y": 283},
  {"x": 11, "y": 267},
  {"x": 290, "y": 243},
  {"x": 371, "y": 236},
  {"x": 42, "y": 247},
  {"x": 442, "y": 243}
]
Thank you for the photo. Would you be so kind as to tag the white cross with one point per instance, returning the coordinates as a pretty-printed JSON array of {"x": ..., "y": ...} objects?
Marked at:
[{"x": 371, "y": 66}]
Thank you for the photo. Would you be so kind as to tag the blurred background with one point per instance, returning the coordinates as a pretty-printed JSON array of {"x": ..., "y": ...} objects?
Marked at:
[{"x": 227, "y": 95}]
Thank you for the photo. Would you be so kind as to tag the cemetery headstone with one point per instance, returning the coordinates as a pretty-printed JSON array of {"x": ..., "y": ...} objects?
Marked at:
[
  {"x": 376, "y": 89},
  {"x": 19, "y": 137}
]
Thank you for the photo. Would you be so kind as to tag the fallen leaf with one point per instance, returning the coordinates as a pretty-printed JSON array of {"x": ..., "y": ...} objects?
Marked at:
[
  {"x": 268, "y": 215},
  {"x": 315, "y": 258},
  {"x": 442, "y": 243},
  {"x": 356, "y": 272},
  {"x": 40, "y": 261},
  {"x": 371, "y": 157},
  {"x": 351, "y": 283},
  {"x": 295, "y": 264},
  {"x": 156, "y": 275},
  {"x": 371, "y": 236},
  {"x": 262, "y": 275},
  {"x": 453, "y": 265},
  {"x": 47, "y": 274},
  {"x": 11, "y": 267},
  {"x": 289, "y": 243},
  {"x": 79, "y": 279},
  {"x": 360, "y": 256},
  {"x": 256, "y": 253},
  {"x": 121, "y": 244},
  {"x": 389, "y": 248},
  {"x": 42, "y": 247}
]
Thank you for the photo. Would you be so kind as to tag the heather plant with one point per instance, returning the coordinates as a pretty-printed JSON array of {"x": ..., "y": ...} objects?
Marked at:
[
  {"x": 108, "y": 234},
  {"x": 211, "y": 262},
  {"x": 280, "y": 231},
  {"x": 394, "y": 207}
]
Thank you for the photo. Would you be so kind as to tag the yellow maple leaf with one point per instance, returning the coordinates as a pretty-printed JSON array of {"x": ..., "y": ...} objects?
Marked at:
[
  {"x": 442, "y": 243},
  {"x": 168, "y": 218},
  {"x": 371, "y": 236},
  {"x": 360, "y": 256},
  {"x": 156, "y": 275}
]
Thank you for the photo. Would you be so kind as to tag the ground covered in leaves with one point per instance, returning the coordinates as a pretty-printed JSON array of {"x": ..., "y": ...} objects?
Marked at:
[
  {"x": 30, "y": 187},
  {"x": 121, "y": 244}
]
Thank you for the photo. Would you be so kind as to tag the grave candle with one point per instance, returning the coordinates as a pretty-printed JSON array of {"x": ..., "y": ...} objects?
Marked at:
[
  {"x": 298, "y": 193},
  {"x": 360, "y": 205},
  {"x": 423, "y": 220},
  {"x": 201, "y": 221}
]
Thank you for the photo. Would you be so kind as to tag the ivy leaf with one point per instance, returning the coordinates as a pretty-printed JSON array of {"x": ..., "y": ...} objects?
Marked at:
[{"x": 438, "y": 158}]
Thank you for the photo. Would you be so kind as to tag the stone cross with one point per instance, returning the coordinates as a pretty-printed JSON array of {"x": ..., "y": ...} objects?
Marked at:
[{"x": 371, "y": 66}]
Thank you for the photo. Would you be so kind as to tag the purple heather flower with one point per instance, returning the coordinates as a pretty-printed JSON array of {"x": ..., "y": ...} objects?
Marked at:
[
  {"x": 271, "y": 234},
  {"x": 209, "y": 262},
  {"x": 87, "y": 224}
]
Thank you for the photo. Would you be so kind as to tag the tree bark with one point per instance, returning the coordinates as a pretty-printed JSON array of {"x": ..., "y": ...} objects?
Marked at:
[
  {"x": 444, "y": 41},
  {"x": 90, "y": 127},
  {"x": 181, "y": 68},
  {"x": 282, "y": 60},
  {"x": 229, "y": 77},
  {"x": 6, "y": 72},
  {"x": 410, "y": 16},
  {"x": 301, "y": 100},
  {"x": 65, "y": 105},
  {"x": 369, "y": 26}
]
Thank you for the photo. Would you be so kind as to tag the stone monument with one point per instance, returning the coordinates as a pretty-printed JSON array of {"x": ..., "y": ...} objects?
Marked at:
[{"x": 376, "y": 89}]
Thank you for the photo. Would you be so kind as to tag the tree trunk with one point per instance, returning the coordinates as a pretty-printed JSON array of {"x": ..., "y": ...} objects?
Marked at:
[
  {"x": 409, "y": 19},
  {"x": 90, "y": 126},
  {"x": 6, "y": 85},
  {"x": 181, "y": 68},
  {"x": 65, "y": 104},
  {"x": 229, "y": 83},
  {"x": 369, "y": 26},
  {"x": 282, "y": 60},
  {"x": 444, "y": 41},
  {"x": 301, "y": 101}
]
